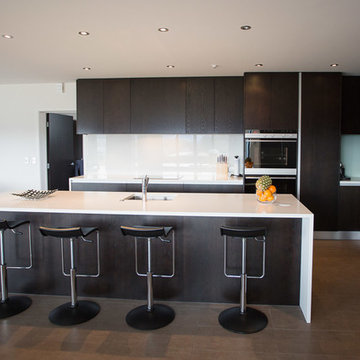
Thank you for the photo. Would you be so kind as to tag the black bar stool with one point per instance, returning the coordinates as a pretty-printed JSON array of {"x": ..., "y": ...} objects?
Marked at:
[
  {"x": 243, "y": 319},
  {"x": 76, "y": 311},
  {"x": 14, "y": 304},
  {"x": 150, "y": 316}
]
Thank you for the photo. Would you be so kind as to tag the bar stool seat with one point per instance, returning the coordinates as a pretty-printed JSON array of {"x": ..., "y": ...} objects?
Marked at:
[
  {"x": 76, "y": 311},
  {"x": 243, "y": 319},
  {"x": 150, "y": 316},
  {"x": 12, "y": 305}
]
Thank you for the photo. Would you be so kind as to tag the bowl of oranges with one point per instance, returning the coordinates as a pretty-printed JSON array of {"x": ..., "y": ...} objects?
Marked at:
[{"x": 265, "y": 190}]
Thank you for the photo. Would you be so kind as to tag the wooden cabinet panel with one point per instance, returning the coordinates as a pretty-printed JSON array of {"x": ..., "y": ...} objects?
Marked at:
[
  {"x": 229, "y": 96},
  {"x": 349, "y": 208},
  {"x": 284, "y": 101},
  {"x": 200, "y": 188},
  {"x": 257, "y": 103},
  {"x": 116, "y": 106},
  {"x": 320, "y": 147},
  {"x": 200, "y": 106},
  {"x": 158, "y": 106},
  {"x": 97, "y": 187},
  {"x": 350, "y": 120},
  {"x": 89, "y": 106},
  {"x": 271, "y": 101}
]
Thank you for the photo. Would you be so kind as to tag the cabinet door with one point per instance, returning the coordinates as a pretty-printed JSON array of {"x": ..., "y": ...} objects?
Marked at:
[
  {"x": 350, "y": 120},
  {"x": 229, "y": 97},
  {"x": 158, "y": 106},
  {"x": 257, "y": 105},
  {"x": 79, "y": 186},
  {"x": 89, "y": 104},
  {"x": 320, "y": 147},
  {"x": 200, "y": 106},
  {"x": 116, "y": 106},
  {"x": 349, "y": 208},
  {"x": 284, "y": 101}
]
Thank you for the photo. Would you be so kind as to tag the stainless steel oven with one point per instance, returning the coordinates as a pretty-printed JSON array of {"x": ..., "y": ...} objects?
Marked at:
[
  {"x": 284, "y": 184},
  {"x": 270, "y": 153}
]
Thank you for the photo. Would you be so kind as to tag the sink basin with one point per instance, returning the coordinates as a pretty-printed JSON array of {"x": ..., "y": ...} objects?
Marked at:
[{"x": 150, "y": 197}]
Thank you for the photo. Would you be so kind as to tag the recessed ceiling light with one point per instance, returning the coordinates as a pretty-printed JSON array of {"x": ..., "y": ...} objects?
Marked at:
[
  {"x": 214, "y": 66},
  {"x": 163, "y": 29},
  {"x": 7, "y": 36},
  {"x": 245, "y": 27},
  {"x": 170, "y": 66},
  {"x": 83, "y": 33},
  {"x": 86, "y": 68},
  {"x": 334, "y": 65},
  {"x": 259, "y": 65}
]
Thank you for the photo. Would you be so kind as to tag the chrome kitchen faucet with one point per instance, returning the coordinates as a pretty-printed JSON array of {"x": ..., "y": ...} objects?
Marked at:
[{"x": 145, "y": 182}]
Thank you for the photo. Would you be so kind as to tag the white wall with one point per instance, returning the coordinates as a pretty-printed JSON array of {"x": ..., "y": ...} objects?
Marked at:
[
  {"x": 22, "y": 130},
  {"x": 187, "y": 156}
]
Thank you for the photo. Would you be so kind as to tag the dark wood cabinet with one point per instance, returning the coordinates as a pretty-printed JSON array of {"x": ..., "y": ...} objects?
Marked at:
[
  {"x": 271, "y": 101},
  {"x": 229, "y": 98},
  {"x": 116, "y": 99},
  {"x": 349, "y": 208},
  {"x": 201, "y": 188},
  {"x": 350, "y": 119},
  {"x": 89, "y": 106},
  {"x": 83, "y": 186},
  {"x": 200, "y": 106},
  {"x": 158, "y": 106},
  {"x": 320, "y": 147}
]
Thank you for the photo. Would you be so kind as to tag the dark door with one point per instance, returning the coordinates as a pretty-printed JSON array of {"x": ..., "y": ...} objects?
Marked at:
[{"x": 60, "y": 150}]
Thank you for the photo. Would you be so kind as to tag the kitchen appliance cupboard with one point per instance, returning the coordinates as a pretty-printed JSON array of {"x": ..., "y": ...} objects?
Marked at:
[
  {"x": 349, "y": 208},
  {"x": 160, "y": 106},
  {"x": 350, "y": 119},
  {"x": 271, "y": 101},
  {"x": 320, "y": 147}
]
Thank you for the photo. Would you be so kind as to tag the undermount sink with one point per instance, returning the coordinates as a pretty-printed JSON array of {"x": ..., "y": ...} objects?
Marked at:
[{"x": 150, "y": 197}]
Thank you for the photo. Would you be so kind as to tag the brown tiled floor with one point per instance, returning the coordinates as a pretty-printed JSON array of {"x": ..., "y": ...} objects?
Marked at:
[{"x": 195, "y": 334}]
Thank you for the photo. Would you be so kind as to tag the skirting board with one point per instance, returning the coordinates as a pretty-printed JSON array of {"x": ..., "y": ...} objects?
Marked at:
[{"x": 337, "y": 235}]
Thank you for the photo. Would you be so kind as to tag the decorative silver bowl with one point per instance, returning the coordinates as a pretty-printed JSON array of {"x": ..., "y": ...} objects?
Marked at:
[{"x": 35, "y": 194}]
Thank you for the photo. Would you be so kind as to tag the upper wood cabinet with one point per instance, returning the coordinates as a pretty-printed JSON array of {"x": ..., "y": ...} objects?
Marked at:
[
  {"x": 200, "y": 106},
  {"x": 229, "y": 99},
  {"x": 320, "y": 147},
  {"x": 350, "y": 120},
  {"x": 103, "y": 106},
  {"x": 116, "y": 106},
  {"x": 89, "y": 95},
  {"x": 271, "y": 101},
  {"x": 158, "y": 106}
]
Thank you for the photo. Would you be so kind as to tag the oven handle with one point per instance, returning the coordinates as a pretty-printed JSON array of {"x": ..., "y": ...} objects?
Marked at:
[
  {"x": 271, "y": 140},
  {"x": 273, "y": 177}
]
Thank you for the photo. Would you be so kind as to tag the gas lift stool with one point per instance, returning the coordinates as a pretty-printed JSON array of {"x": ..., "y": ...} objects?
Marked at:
[
  {"x": 12, "y": 305},
  {"x": 243, "y": 319},
  {"x": 150, "y": 316},
  {"x": 76, "y": 311}
]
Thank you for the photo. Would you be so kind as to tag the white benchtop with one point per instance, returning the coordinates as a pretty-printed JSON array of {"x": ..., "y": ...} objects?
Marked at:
[
  {"x": 196, "y": 179},
  {"x": 354, "y": 181},
  {"x": 184, "y": 204}
]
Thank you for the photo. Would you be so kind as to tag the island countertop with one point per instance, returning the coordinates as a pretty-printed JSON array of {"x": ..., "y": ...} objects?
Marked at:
[{"x": 183, "y": 204}]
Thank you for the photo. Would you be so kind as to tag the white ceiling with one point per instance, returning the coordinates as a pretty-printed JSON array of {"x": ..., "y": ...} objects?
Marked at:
[{"x": 286, "y": 35}]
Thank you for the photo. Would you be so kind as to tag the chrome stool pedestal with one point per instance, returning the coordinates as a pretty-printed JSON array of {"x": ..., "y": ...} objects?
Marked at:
[
  {"x": 12, "y": 305},
  {"x": 243, "y": 319},
  {"x": 76, "y": 311},
  {"x": 150, "y": 316}
]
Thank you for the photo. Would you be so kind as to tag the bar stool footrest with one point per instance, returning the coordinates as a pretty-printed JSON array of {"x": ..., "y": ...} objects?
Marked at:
[
  {"x": 14, "y": 305},
  {"x": 142, "y": 319},
  {"x": 65, "y": 315},
  {"x": 247, "y": 323}
]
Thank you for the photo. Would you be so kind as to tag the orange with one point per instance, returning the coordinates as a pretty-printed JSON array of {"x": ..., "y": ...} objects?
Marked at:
[
  {"x": 272, "y": 188},
  {"x": 259, "y": 192},
  {"x": 263, "y": 197},
  {"x": 270, "y": 198},
  {"x": 267, "y": 193}
]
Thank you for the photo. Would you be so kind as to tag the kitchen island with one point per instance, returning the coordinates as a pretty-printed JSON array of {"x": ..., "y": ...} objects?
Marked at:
[{"x": 199, "y": 246}]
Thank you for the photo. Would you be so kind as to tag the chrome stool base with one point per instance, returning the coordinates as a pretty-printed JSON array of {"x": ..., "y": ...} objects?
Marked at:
[
  {"x": 143, "y": 319},
  {"x": 65, "y": 315},
  {"x": 251, "y": 321},
  {"x": 14, "y": 305}
]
